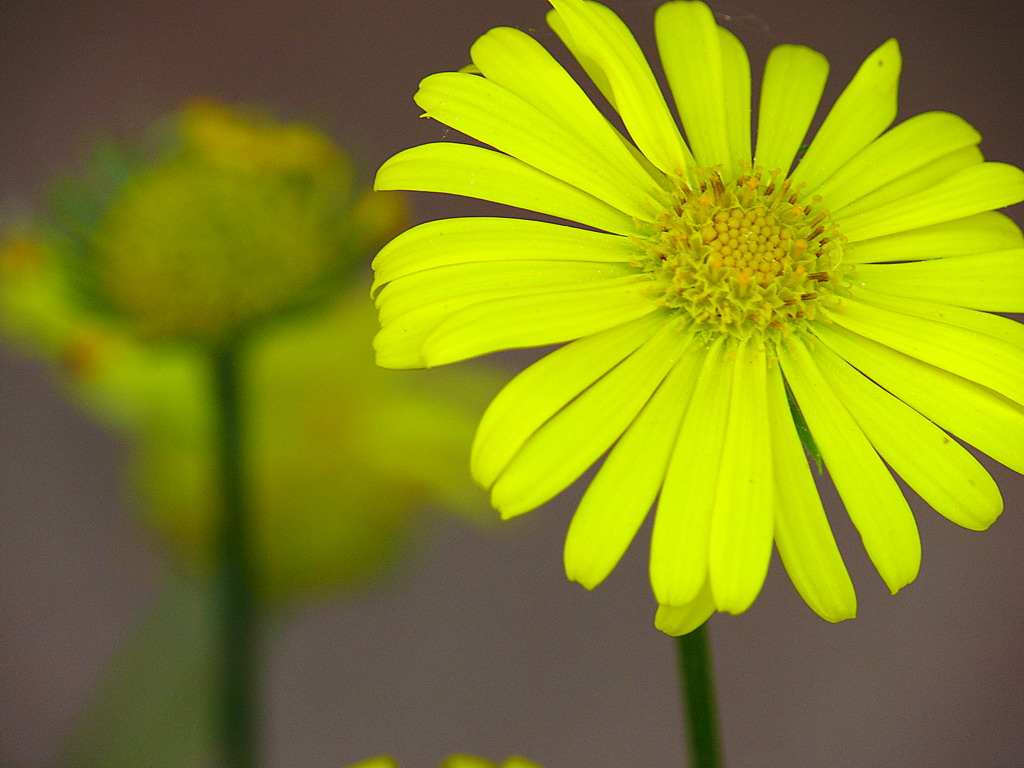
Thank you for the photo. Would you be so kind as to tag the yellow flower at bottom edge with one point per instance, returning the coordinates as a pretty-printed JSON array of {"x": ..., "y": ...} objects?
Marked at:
[
  {"x": 715, "y": 282},
  {"x": 453, "y": 761}
]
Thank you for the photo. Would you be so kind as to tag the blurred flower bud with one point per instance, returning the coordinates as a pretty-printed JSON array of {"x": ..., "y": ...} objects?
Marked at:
[
  {"x": 236, "y": 220},
  {"x": 244, "y": 221}
]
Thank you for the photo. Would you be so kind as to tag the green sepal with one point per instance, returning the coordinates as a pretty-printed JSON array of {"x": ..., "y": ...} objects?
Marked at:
[{"x": 803, "y": 431}]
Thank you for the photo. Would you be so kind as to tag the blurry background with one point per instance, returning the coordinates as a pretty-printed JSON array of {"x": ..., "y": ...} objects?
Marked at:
[{"x": 479, "y": 644}]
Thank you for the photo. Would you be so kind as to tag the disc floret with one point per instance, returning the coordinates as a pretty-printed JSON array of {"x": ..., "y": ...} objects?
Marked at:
[{"x": 746, "y": 256}]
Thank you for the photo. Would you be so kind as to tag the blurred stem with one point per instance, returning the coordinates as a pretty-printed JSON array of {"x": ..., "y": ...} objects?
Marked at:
[
  {"x": 236, "y": 598},
  {"x": 697, "y": 688}
]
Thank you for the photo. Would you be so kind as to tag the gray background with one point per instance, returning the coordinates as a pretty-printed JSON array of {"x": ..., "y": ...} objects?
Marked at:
[{"x": 482, "y": 646}]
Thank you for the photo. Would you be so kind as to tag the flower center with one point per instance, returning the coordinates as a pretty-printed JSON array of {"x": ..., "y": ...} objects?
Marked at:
[
  {"x": 743, "y": 257},
  {"x": 189, "y": 251}
]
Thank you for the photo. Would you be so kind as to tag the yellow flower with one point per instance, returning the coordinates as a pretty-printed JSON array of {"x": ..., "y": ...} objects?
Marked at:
[
  {"x": 342, "y": 454},
  {"x": 453, "y": 761},
  {"x": 714, "y": 283},
  {"x": 235, "y": 220}
]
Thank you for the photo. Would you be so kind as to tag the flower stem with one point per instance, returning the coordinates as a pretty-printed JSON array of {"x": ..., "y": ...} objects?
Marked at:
[
  {"x": 697, "y": 688},
  {"x": 236, "y": 599}
]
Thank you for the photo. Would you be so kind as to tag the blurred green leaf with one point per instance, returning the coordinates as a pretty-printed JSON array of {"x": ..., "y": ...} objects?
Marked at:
[{"x": 152, "y": 707}]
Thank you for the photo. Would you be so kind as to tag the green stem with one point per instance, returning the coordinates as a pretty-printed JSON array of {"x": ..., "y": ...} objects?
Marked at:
[
  {"x": 236, "y": 598},
  {"x": 697, "y": 687}
]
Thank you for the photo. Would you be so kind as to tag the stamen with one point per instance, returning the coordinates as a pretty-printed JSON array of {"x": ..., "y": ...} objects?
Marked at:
[{"x": 744, "y": 255}]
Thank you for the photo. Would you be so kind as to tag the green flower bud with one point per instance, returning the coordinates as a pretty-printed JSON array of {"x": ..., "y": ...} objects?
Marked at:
[{"x": 238, "y": 220}]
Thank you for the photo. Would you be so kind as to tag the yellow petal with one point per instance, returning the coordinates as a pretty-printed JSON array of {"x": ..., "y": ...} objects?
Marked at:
[
  {"x": 624, "y": 489},
  {"x": 909, "y": 146},
  {"x": 920, "y": 180},
  {"x": 993, "y": 282},
  {"x": 462, "y": 169},
  {"x": 463, "y": 284},
  {"x": 977, "y": 188},
  {"x": 447, "y": 242},
  {"x": 383, "y": 761},
  {"x": 794, "y": 78},
  {"x": 863, "y": 110},
  {"x": 974, "y": 413},
  {"x": 575, "y": 437},
  {"x": 536, "y": 319},
  {"x": 990, "y": 361},
  {"x": 942, "y": 472},
  {"x": 873, "y": 500},
  {"x": 543, "y": 389},
  {"x": 516, "y": 61},
  {"x": 682, "y": 524},
  {"x": 741, "y": 519},
  {"x": 607, "y": 49},
  {"x": 979, "y": 233},
  {"x": 709, "y": 75},
  {"x": 802, "y": 532},
  {"x": 494, "y": 115},
  {"x": 678, "y": 620}
]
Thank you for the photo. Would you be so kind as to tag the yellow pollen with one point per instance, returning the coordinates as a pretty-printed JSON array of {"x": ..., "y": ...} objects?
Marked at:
[{"x": 743, "y": 256}]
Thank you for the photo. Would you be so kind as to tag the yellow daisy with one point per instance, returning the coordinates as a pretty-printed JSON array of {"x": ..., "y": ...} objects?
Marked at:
[
  {"x": 453, "y": 761},
  {"x": 341, "y": 454},
  {"x": 231, "y": 220},
  {"x": 720, "y": 295}
]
